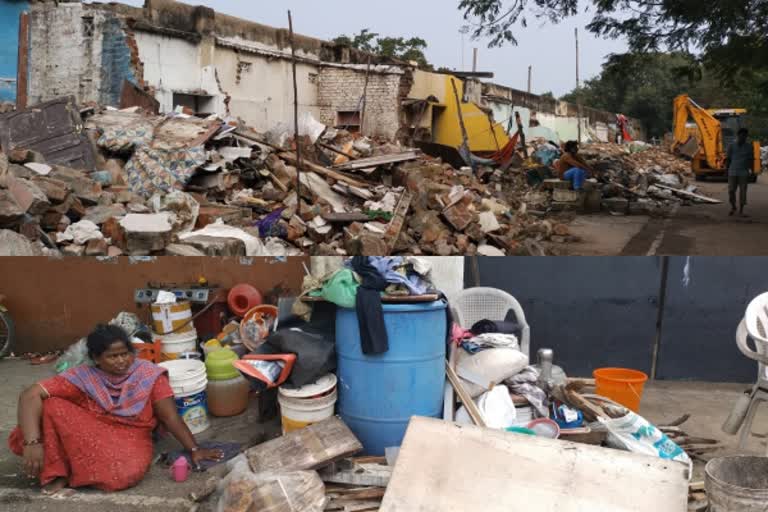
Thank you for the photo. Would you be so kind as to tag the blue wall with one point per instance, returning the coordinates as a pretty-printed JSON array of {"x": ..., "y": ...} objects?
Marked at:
[
  {"x": 9, "y": 45},
  {"x": 605, "y": 311}
]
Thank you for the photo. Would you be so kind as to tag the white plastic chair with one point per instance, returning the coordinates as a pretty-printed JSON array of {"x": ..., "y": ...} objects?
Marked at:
[
  {"x": 755, "y": 326},
  {"x": 475, "y": 304}
]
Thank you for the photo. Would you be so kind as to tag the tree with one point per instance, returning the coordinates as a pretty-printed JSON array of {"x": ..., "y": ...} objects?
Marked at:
[
  {"x": 412, "y": 49},
  {"x": 644, "y": 87},
  {"x": 730, "y": 36}
]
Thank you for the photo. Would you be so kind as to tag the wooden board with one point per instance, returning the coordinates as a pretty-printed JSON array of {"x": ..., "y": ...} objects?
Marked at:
[
  {"x": 443, "y": 467},
  {"x": 376, "y": 161},
  {"x": 309, "y": 448}
]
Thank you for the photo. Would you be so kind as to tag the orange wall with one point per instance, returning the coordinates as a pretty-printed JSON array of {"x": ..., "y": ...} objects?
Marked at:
[{"x": 54, "y": 302}]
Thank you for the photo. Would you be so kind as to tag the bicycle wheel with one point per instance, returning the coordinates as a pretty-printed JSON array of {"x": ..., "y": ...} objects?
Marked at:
[{"x": 7, "y": 334}]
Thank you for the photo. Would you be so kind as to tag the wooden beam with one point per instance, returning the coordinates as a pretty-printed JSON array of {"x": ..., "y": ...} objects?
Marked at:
[
  {"x": 464, "y": 395},
  {"x": 398, "y": 221},
  {"x": 323, "y": 171},
  {"x": 691, "y": 195},
  {"x": 376, "y": 161}
]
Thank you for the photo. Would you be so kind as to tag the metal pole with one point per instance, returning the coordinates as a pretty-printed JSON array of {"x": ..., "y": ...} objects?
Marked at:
[
  {"x": 295, "y": 116},
  {"x": 474, "y": 61},
  {"x": 530, "y": 73},
  {"x": 578, "y": 83}
]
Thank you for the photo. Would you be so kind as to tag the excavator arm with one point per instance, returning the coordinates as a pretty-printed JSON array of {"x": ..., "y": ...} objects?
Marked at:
[{"x": 709, "y": 127}]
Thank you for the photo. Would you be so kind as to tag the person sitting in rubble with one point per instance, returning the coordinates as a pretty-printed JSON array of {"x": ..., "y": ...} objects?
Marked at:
[
  {"x": 571, "y": 167},
  {"x": 92, "y": 425}
]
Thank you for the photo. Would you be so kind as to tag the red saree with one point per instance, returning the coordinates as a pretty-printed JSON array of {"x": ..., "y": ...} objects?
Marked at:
[{"x": 89, "y": 446}]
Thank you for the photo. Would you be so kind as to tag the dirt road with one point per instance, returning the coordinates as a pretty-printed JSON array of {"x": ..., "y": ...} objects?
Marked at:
[{"x": 700, "y": 230}]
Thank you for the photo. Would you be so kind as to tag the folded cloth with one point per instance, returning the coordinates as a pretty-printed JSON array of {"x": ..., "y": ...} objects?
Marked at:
[
  {"x": 231, "y": 450},
  {"x": 495, "y": 340},
  {"x": 524, "y": 384},
  {"x": 485, "y": 326}
]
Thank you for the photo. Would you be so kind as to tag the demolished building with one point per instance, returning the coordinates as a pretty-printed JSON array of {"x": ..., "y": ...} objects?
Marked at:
[{"x": 213, "y": 63}]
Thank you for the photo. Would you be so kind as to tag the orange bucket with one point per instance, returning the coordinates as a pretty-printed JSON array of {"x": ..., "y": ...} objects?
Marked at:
[{"x": 621, "y": 385}]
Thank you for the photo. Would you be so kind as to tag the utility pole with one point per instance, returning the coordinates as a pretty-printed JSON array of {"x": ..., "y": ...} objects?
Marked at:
[
  {"x": 530, "y": 76},
  {"x": 578, "y": 83},
  {"x": 295, "y": 116},
  {"x": 474, "y": 61}
]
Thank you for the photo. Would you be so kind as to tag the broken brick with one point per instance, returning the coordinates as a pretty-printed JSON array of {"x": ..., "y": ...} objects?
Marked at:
[
  {"x": 10, "y": 212},
  {"x": 475, "y": 232},
  {"x": 217, "y": 246},
  {"x": 101, "y": 214},
  {"x": 73, "y": 250},
  {"x": 459, "y": 215},
  {"x": 96, "y": 247},
  {"x": 55, "y": 190}
]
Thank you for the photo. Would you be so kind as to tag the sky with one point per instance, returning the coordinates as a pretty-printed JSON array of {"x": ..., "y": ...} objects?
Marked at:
[{"x": 550, "y": 49}]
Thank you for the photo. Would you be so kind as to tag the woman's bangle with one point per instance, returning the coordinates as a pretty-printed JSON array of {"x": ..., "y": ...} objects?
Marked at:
[
  {"x": 33, "y": 442},
  {"x": 195, "y": 449}
]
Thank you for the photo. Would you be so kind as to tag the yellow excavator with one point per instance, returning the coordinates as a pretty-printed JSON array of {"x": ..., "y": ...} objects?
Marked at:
[{"x": 707, "y": 143}]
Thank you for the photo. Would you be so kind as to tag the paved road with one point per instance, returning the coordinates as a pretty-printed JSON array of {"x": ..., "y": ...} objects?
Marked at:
[{"x": 700, "y": 230}]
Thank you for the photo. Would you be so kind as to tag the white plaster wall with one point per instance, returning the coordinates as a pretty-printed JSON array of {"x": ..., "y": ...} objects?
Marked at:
[
  {"x": 173, "y": 65},
  {"x": 263, "y": 96}
]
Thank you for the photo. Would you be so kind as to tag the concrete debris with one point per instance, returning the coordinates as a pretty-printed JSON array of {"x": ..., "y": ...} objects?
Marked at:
[
  {"x": 80, "y": 233},
  {"x": 14, "y": 244}
]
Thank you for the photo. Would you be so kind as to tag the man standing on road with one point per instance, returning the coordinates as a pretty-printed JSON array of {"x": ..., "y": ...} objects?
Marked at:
[{"x": 739, "y": 162}]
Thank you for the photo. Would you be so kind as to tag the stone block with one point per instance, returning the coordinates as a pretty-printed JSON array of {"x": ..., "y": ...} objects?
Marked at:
[
  {"x": 55, "y": 190},
  {"x": 459, "y": 215},
  {"x": 96, "y": 247},
  {"x": 10, "y": 212},
  {"x": 28, "y": 196},
  {"x": 217, "y": 246},
  {"x": 101, "y": 214},
  {"x": 14, "y": 244},
  {"x": 183, "y": 250}
]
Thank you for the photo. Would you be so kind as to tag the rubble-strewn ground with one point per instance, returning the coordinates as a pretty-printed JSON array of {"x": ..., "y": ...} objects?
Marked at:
[
  {"x": 708, "y": 404},
  {"x": 705, "y": 230},
  {"x": 180, "y": 185}
]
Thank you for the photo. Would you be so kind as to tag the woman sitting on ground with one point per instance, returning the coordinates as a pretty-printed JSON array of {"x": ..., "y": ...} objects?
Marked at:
[
  {"x": 92, "y": 425},
  {"x": 571, "y": 167}
]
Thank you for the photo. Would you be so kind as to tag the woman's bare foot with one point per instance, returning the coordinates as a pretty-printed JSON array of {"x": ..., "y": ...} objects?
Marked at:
[{"x": 55, "y": 486}]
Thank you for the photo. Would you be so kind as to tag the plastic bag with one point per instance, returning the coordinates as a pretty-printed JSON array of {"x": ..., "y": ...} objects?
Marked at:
[
  {"x": 491, "y": 366},
  {"x": 341, "y": 289},
  {"x": 496, "y": 407},
  {"x": 635, "y": 434},
  {"x": 75, "y": 355}
]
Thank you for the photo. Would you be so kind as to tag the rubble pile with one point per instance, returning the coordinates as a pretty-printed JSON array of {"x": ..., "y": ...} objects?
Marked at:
[
  {"x": 629, "y": 179},
  {"x": 181, "y": 185}
]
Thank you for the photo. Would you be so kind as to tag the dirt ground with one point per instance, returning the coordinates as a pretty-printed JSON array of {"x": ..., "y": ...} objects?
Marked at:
[
  {"x": 699, "y": 230},
  {"x": 708, "y": 404}
]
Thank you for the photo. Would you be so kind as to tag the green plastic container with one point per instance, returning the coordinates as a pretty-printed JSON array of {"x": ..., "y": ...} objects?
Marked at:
[{"x": 218, "y": 365}]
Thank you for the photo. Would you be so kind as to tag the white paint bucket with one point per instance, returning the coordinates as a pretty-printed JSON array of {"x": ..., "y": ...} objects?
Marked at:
[
  {"x": 173, "y": 345},
  {"x": 188, "y": 380},
  {"x": 310, "y": 404}
]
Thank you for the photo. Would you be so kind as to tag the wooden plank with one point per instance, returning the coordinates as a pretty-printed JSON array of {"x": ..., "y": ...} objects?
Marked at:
[
  {"x": 389, "y": 299},
  {"x": 309, "y": 448},
  {"x": 447, "y": 467},
  {"x": 398, "y": 221},
  {"x": 362, "y": 474},
  {"x": 690, "y": 195},
  {"x": 376, "y": 161},
  {"x": 323, "y": 171},
  {"x": 465, "y": 397},
  {"x": 346, "y": 217}
]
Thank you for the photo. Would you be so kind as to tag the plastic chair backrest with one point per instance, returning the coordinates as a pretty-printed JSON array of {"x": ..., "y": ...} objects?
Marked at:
[
  {"x": 475, "y": 304},
  {"x": 756, "y": 324}
]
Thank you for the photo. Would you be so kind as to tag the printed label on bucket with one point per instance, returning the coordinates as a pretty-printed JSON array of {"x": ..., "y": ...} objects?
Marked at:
[{"x": 194, "y": 411}]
